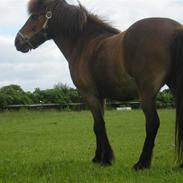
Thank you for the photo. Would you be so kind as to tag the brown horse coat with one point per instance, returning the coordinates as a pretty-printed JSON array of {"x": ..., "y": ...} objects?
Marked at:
[{"x": 107, "y": 63}]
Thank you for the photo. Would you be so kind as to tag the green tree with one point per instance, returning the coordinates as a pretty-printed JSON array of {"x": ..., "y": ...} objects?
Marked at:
[{"x": 13, "y": 95}]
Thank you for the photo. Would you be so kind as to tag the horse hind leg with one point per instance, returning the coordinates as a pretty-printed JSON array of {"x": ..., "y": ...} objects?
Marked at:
[
  {"x": 149, "y": 82},
  {"x": 152, "y": 125}
]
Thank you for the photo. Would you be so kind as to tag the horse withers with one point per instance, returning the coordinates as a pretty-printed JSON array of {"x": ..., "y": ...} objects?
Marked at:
[{"x": 107, "y": 63}]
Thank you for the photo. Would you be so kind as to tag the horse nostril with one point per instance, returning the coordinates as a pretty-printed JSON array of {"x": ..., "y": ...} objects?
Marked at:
[
  {"x": 18, "y": 42},
  {"x": 21, "y": 44}
]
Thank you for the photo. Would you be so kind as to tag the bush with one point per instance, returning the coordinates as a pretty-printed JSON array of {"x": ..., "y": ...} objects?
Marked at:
[
  {"x": 165, "y": 100},
  {"x": 13, "y": 95}
]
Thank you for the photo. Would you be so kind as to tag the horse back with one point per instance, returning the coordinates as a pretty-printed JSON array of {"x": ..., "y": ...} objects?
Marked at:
[{"x": 116, "y": 66}]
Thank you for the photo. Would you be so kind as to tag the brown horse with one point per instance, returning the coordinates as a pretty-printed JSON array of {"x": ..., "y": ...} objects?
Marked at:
[{"x": 107, "y": 63}]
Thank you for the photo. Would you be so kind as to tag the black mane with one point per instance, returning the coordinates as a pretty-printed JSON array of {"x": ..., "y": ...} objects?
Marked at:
[{"x": 70, "y": 19}]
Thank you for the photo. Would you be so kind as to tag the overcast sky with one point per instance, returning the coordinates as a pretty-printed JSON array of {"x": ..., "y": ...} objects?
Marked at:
[{"x": 46, "y": 66}]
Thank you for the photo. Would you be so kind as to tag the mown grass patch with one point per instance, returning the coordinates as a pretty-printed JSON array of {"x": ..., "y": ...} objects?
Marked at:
[{"x": 52, "y": 146}]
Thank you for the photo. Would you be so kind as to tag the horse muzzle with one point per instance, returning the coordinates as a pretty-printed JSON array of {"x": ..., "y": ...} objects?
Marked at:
[{"x": 22, "y": 45}]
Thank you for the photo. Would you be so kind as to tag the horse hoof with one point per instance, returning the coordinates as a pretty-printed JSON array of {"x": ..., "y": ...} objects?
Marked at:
[
  {"x": 141, "y": 166},
  {"x": 107, "y": 159},
  {"x": 103, "y": 162},
  {"x": 96, "y": 160},
  {"x": 106, "y": 163}
]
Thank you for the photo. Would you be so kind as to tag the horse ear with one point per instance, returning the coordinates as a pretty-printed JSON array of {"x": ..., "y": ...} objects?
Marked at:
[{"x": 82, "y": 15}]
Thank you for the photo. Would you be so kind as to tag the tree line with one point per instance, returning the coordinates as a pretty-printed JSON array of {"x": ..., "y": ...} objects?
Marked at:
[{"x": 60, "y": 94}]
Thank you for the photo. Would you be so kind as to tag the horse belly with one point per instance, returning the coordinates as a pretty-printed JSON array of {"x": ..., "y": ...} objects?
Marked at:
[{"x": 123, "y": 89}]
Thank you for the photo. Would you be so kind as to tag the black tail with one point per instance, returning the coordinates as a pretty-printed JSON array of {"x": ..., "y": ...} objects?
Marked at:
[{"x": 177, "y": 48}]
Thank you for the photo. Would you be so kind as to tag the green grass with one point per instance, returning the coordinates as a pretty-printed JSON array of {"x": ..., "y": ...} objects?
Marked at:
[{"x": 53, "y": 146}]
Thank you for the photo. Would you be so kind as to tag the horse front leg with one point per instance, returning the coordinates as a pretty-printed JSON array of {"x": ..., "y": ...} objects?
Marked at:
[
  {"x": 104, "y": 153},
  {"x": 152, "y": 125}
]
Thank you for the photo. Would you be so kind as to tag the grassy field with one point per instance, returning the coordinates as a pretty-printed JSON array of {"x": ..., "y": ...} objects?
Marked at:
[{"x": 53, "y": 146}]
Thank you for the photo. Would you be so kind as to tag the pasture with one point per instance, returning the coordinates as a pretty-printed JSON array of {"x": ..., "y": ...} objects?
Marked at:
[{"x": 52, "y": 146}]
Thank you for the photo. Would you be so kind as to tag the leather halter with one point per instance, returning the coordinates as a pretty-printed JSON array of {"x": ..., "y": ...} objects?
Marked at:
[{"x": 27, "y": 40}]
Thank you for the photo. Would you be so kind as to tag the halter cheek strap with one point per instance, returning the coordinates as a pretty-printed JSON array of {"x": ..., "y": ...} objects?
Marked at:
[{"x": 48, "y": 17}]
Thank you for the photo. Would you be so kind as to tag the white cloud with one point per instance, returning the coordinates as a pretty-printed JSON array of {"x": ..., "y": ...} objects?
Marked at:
[
  {"x": 43, "y": 68},
  {"x": 13, "y": 12},
  {"x": 46, "y": 66}
]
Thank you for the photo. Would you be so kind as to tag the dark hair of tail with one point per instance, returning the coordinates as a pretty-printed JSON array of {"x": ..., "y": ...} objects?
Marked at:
[{"x": 177, "y": 59}]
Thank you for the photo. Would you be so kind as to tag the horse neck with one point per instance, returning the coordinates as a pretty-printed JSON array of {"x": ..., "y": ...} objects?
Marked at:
[
  {"x": 65, "y": 44},
  {"x": 72, "y": 48}
]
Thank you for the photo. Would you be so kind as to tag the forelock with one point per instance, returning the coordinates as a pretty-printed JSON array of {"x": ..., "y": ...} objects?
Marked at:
[{"x": 36, "y": 6}]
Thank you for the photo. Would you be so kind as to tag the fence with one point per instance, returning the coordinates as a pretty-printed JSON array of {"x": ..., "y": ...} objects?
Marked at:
[{"x": 73, "y": 106}]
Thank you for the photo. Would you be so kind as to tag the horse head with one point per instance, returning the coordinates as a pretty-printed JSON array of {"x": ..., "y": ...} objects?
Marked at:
[
  {"x": 48, "y": 17},
  {"x": 36, "y": 29}
]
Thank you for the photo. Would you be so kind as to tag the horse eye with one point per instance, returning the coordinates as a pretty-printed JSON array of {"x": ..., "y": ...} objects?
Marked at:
[{"x": 34, "y": 17}]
